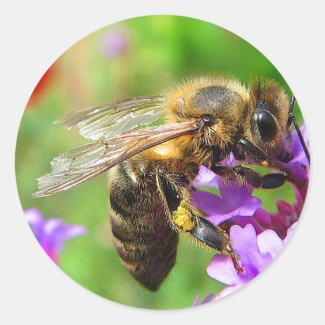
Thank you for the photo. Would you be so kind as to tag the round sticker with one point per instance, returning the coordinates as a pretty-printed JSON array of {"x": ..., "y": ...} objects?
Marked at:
[{"x": 162, "y": 162}]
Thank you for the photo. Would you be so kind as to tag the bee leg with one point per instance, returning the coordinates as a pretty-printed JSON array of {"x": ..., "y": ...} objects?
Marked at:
[
  {"x": 187, "y": 218},
  {"x": 249, "y": 176},
  {"x": 256, "y": 154},
  {"x": 245, "y": 174},
  {"x": 184, "y": 217},
  {"x": 217, "y": 238},
  {"x": 274, "y": 180}
]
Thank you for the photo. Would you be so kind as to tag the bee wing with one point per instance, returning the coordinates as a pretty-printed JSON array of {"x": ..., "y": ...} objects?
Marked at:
[
  {"x": 89, "y": 160},
  {"x": 114, "y": 118}
]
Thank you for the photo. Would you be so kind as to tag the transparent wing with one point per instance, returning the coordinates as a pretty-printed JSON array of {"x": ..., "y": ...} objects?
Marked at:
[
  {"x": 114, "y": 118},
  {"x": 89, "y": 160}
]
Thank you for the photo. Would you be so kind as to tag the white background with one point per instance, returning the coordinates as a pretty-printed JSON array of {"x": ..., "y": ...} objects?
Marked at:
[{"x": 34, "y": 34}]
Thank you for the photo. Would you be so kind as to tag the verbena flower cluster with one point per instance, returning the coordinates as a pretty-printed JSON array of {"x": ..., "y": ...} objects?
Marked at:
[
  {"x": 52, "y": 233},
  {"x": 257, "y": 235}
]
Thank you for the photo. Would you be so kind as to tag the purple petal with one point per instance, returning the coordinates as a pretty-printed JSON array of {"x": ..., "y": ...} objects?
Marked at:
[
  {"x": 204, "y": 301},
  {"x": 207, "y": 299},
  {"x": 227, "y": 291},
  {"x": 299, "y": 163},
  {"x": 239, "y": 199},
  {"x": 261, "y": 220},
  {"x": 57, "y": 232},
  {"x": 53, "y": 233},
  {"x": 253, "y": 259},
  {"x": 245, "y": 245},
  {"x": 222, "y": 269},
  {"x": 35, "y": 220},
  {"x": 235, "y": 200},
  {"x": 297, "y": 149},
  {"x": 196, "y": 301},
  {"x": 206, "y": 178},
  {"x": 290, "y": 231},
  {"x": 269, "y": 242},
  {"x": 281, "y": 221},
  {"x": 33, "y": 216}
]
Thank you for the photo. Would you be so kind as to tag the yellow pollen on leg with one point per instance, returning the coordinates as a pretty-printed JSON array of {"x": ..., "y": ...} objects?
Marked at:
[{"x": 182, "y": 218}]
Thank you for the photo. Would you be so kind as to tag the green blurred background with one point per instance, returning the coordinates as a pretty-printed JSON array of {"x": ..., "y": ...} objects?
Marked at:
[{"x": 140, "y": 56}]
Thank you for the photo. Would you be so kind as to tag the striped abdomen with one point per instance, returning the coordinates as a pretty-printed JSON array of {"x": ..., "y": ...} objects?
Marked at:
[{"x": 144, "y": 240}]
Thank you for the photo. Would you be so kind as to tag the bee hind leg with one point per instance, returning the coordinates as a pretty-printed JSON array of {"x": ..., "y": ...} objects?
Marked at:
[{"x": 215, "y": 237}]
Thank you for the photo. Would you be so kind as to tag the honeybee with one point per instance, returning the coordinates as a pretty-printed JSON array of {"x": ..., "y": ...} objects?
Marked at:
[{"x": 151, "y": 167}]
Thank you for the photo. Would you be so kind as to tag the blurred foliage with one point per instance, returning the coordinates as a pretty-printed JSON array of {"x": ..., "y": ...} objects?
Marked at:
[{"x": 159, "y": 51}]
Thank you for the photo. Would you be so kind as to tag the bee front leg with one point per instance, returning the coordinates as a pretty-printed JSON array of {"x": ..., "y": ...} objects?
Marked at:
[
  {"x": 273, "y": 180},
  {"x": 244, "y": 174},
  {"x": 250, "y": 176}
]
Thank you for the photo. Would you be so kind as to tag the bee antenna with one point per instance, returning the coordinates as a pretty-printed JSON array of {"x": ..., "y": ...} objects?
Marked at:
[{"x": 292, "y": 119}]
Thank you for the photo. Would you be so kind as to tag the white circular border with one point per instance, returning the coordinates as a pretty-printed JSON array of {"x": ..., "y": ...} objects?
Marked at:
[{"x": 34, "y": 35}]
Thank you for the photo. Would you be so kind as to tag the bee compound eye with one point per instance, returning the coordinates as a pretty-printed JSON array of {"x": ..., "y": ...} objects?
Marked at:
[{"x": 266, "y": 124}]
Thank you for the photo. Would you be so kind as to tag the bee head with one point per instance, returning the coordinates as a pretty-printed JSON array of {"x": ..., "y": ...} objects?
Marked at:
[{"x": 269, "y": 121}]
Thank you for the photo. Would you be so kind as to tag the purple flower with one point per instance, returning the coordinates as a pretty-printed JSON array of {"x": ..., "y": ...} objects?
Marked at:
[
  {"x": 235, "y": 199},
  {"x": 204, "y": 301},
  {"x": 257, "y": 235},
  {"x": 287, "y": 213},
  {"x": 52, "y": 233},
  {"x": 256, "y": 253},
  {"x": 237, "y": 203},
  {"x": 206, "y": 178},
  {"x": 299, "y": 163},
  {"x": 280, "y": 221},
  {"x": 113, "y": 44}
]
